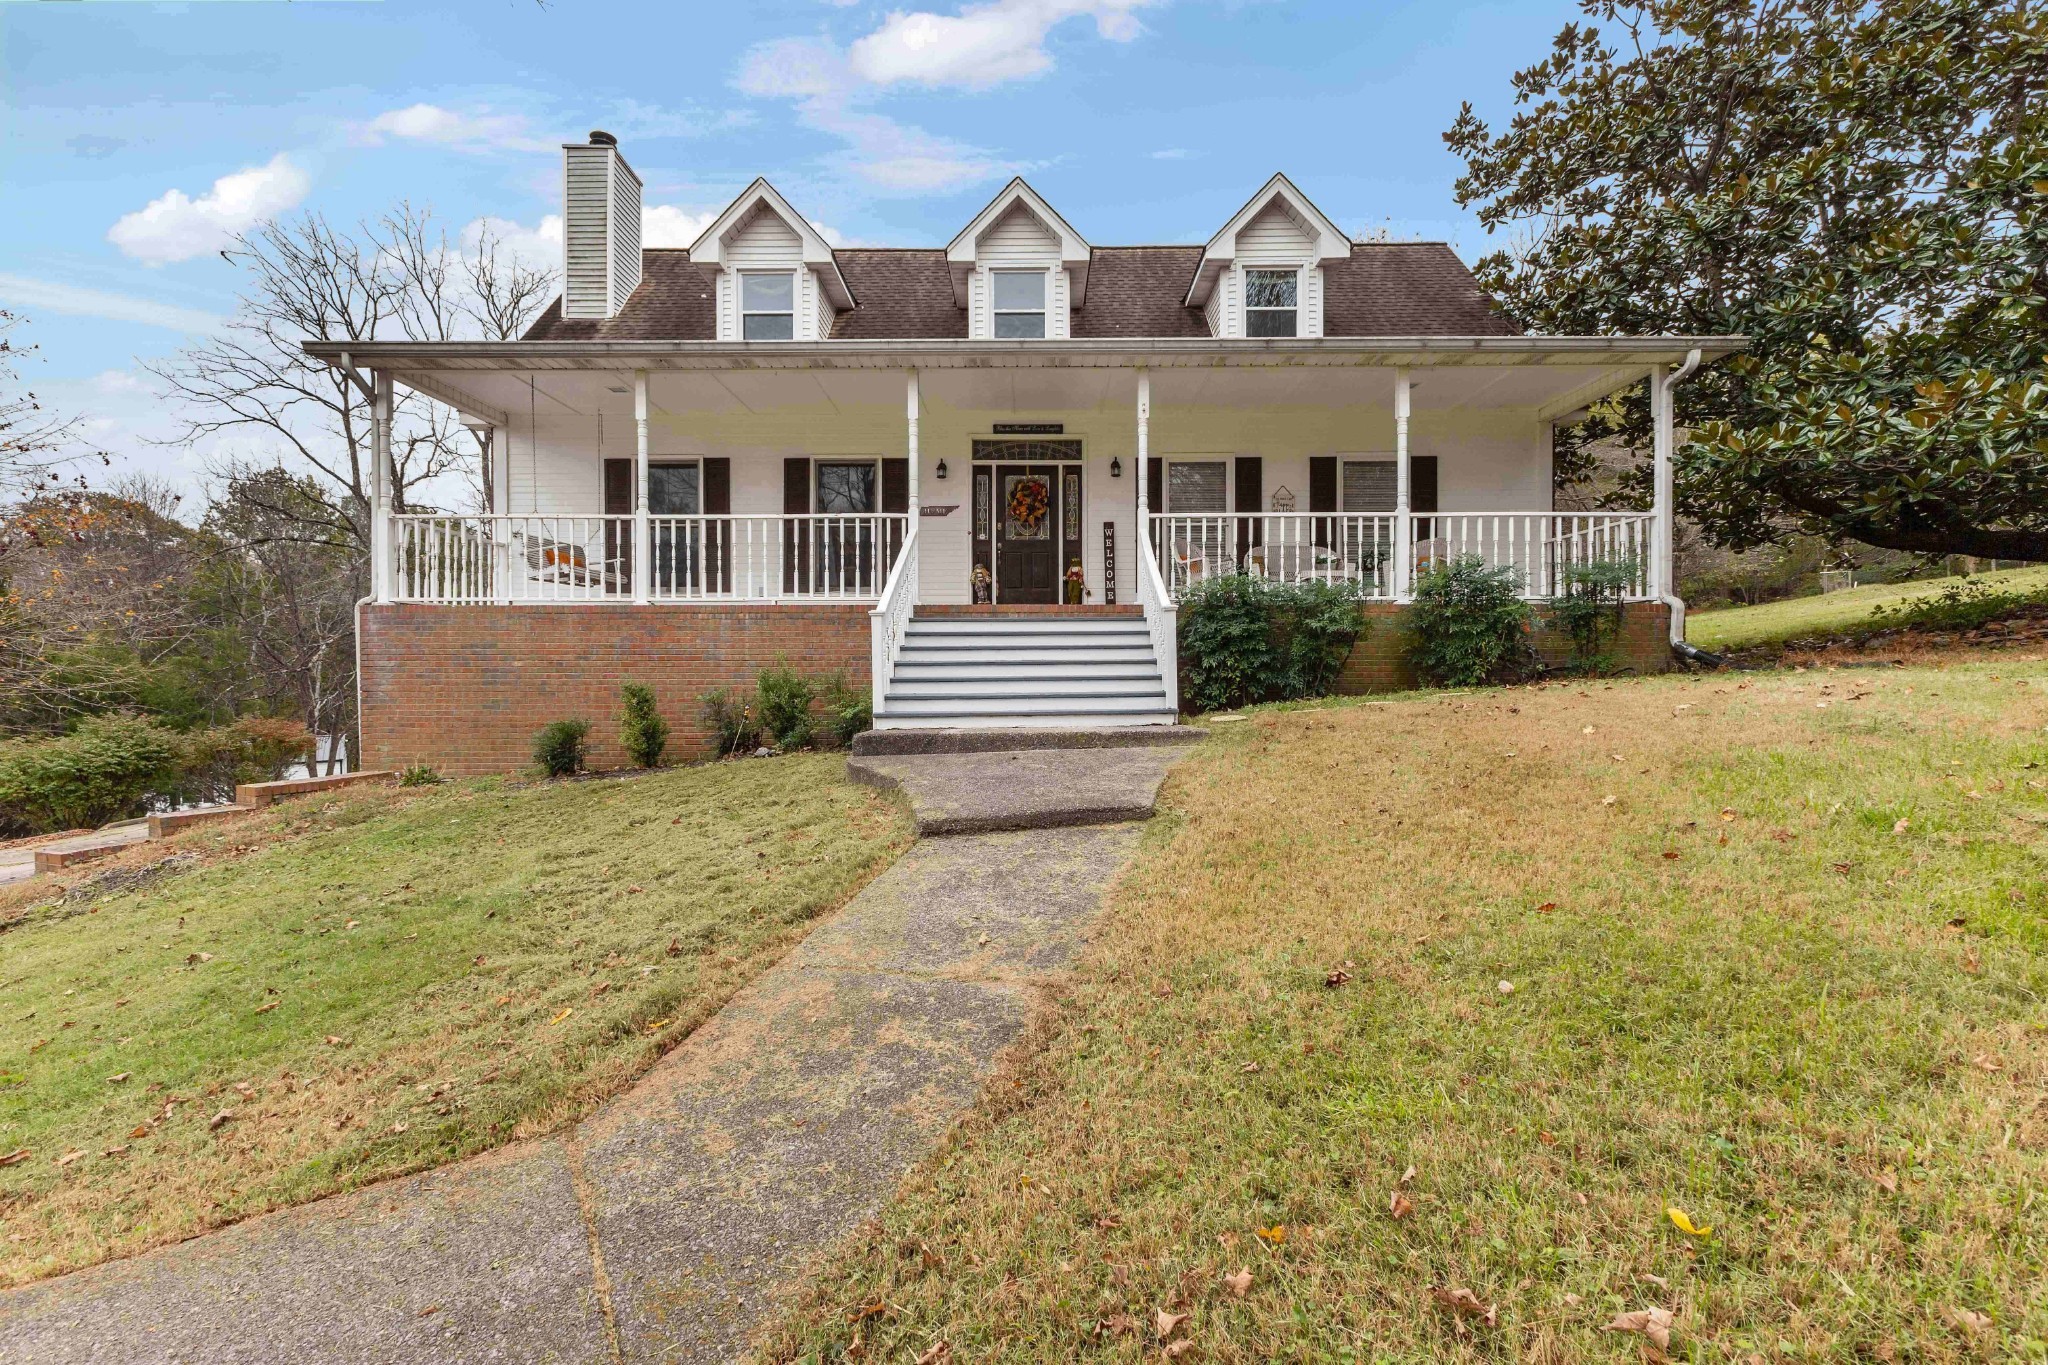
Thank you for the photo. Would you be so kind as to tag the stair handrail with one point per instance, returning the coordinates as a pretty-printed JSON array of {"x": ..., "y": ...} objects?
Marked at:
[
  {"x": 889, "y": 622},
  {"x": 1162, "y": 617}
]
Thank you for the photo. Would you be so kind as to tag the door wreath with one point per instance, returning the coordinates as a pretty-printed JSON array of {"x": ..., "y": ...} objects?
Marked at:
[{"x": 1028, "y": 504}]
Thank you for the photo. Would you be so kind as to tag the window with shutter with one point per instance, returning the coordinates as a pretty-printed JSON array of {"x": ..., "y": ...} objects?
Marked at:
[
  {"x": 1369, "y": 485},
  {"x": 1195, "y": 486}
]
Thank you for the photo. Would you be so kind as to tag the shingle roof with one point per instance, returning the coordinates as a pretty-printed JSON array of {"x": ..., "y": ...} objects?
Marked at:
[{"x": 1384, "y": 289}]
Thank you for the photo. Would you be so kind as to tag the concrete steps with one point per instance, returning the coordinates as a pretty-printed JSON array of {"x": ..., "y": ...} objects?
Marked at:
[{"x": 1042, "y": 671}]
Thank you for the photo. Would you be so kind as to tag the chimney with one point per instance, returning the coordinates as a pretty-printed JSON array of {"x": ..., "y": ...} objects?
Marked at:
[{"x": 600, "y": 228}]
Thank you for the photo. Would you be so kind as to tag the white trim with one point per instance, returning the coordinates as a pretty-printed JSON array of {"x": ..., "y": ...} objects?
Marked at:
[
  {"x": 709, "y": 248},
  {"x": 741, "y": 312},
  {"x": 1244, "y": 294},
  {"x": 1229, "y": 463},
  {"x": 1386, "y": 457},
  {"x": 1221, "y": 252},
  {"x": 1043, "y": 311},
  {"x": 961, "y": 252}
]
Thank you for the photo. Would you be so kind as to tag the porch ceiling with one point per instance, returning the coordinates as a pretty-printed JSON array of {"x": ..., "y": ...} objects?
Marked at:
[{"x": 1550, "y": 375}]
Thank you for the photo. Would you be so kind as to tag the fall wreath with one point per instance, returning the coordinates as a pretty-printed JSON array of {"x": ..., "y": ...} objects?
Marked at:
[{"x": 1028, "y": 504}]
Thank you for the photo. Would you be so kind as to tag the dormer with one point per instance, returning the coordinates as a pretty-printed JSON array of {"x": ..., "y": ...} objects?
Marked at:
[
  {"x": 777, "y": 280},
  {"x": 1018, "y": 269},
  {"x": 1262, "y": 275}
]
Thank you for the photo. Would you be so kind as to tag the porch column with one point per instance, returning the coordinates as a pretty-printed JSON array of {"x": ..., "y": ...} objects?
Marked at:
[
  {"x": 1144, "y": 454},
  {"x": 911, "y": 406},
  {"x": 1659, "y": 568},
  {"x": 380, "y": 487},
  {"x": 642, "y": 541},
  {"x": 1404, "y": 525}
]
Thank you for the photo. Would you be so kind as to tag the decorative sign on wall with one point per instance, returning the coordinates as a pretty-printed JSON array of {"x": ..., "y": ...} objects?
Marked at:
[
  {"x": 925, "y": 509},
  {"x": 1109, "y": 562},
  {"x": 1283, "y": 499},
  {"x": 1029, "y": 428}
]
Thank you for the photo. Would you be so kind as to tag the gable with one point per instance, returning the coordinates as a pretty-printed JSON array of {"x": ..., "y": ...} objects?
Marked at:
[
  {"x": 1276, "y": 236},
  {"x": 1018, "y": 237},
  {"x": 763, "y": 240}
]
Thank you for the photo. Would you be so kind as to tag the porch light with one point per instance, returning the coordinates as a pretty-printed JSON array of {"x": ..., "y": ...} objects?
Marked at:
[
  {"x": 1116, "y": 467},
  {"x": 941, "y": 470}
]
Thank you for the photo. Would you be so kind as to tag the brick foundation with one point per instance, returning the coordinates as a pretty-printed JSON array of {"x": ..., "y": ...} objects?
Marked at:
[
  {"x": 1379, "y": 662},
  {"x": 464, "y": 689}
]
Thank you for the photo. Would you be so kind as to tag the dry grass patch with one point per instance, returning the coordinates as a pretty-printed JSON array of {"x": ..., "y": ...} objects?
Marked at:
[
  {"x": 1768, "y": 951},
  {"x": 368, "y": 983}
]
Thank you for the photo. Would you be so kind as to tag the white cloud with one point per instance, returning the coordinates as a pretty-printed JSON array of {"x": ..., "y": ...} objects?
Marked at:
[
  {"x": 177, "y": 227},
  {"x": 983, "y": 45},
  {"x": 670, "y": 225},
  {"x": 1172, "y": 154},
  {"x": 50, "y": 296},
  {"x": 478, "y": 130},
  {"x": 540, "y": 244}
]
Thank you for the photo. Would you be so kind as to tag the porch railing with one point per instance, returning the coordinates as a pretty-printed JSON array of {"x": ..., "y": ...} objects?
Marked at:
[
  {"x": 1162, "y": 617},
  {"x": 544, "y": 557},
  {"x": 1358, "y": 547},
  {"x": 889, "y": 622}
]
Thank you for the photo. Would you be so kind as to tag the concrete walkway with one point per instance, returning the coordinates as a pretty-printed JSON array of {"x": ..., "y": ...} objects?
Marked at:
[{"x": 664, "y": 1227}]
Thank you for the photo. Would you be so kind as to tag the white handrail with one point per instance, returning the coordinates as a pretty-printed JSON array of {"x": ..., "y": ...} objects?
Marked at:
[
  {"x": 1162, "y": 618},
  {"x": 889, "y": 622}
]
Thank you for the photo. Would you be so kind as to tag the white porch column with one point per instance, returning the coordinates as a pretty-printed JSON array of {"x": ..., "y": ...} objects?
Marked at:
[
  {"x": 1144, "y": 455},
  {"x": 1404, "y": 524},
  {"x": 643, "y": 569},
  {"x": 911, "y": 409},
  {"x": 1662, "y": 499},
  {"x": 380, "y": 488}
]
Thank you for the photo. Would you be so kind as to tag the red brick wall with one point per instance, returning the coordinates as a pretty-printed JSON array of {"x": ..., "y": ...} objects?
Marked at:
[
  {"x": 465, "y": 688},
  {"x": 1379, "y": 662}
]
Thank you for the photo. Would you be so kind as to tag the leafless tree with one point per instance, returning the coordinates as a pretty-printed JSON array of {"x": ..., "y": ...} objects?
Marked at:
[{"x": 35, "y": 443}]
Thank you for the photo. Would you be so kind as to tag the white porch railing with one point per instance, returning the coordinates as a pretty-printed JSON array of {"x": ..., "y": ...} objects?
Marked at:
[
  {"x": 1162, "y": 617},
  {"x": 542, "y": 557},
  {"x": 1358, "y": 547},
  {"x": 890, "y": 621}
]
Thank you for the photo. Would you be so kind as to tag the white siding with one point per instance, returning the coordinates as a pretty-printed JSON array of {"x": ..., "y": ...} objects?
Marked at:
[
  {"x": 586, "y": 291},
  {"x": 1016, "y": 241},
  {"x": 1058, "y": 309},
  {"x": 1274, "y": 237},
  {"x": 625, "y": 234},
  {"x": 1310, "y": 323},
  {"x": 766, "y": 242},
  {"x": 1221, "y": 309}
]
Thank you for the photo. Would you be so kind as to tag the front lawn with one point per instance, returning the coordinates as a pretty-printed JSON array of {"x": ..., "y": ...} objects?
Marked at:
[
  {"x": 1837, "y": 613},
  {"x": 1461, "y": 1027},
  {"x": 363, "y": 984}
]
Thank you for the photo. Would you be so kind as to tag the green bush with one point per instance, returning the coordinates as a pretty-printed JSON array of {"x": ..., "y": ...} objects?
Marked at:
[
  {"x": 1469, "y": 625},
  {"x": 419, "y": 775},
  {"x": 253, "y": 749},
  {"x": 558, "y": 748},
  {"x": 1589, "y": 611},
  {"x": 731, "y": 719},
  {"x": 1959, "y": 606},
  {"x": 106, "y": 769},
  {"x": 782, "y": 698},
  {"x": 642, "y": 732},
  {"x": 849, "y": 711},
  {"x": 1244, "y": 639}
]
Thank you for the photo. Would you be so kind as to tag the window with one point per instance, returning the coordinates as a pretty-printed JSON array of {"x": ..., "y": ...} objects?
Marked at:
[
  {"x": 767, "y": 305},
  {"x": 846, "y": 489},
  {"x": 1270, "y": 303},
  {"x": 1195, "y": 486},
  {"x": 1369, "y": 485},
  {"x": 1019, "y": 304},
  {"x": 672, "y": 490}
]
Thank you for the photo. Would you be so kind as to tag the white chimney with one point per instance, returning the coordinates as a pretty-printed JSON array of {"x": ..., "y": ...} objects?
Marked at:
[{"x": 600, "y": 228}]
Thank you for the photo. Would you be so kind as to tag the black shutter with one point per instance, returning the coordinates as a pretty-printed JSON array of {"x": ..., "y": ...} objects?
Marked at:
[
  {"x": 796, "y": 543},
  {"x": 1422, "y": 492},
  {"x": 617, "y": 570},
  {"x": 1251, "y": 497},
  {"x": 717, "y": 499},
  {"x": 1155, "y": 487},
  {"x": 1322, "y": 493},
  {"x": 895, "y": 500}
]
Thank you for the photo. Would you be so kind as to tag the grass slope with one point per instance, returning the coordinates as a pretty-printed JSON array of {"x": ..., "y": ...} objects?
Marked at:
[
  {"x": 1835, "y": 612},
  {"x": 1770, "y": 952},
  {"x": 396, "y": 981}
]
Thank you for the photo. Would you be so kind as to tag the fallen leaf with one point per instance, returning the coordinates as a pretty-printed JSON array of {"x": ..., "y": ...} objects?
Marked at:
[
  {"x": 1164, "y": 1322},
  {"x": 1337, "y": 977},
  {"x": 69, "y": 1157},
  {"x": 940, "y": 1350},
  {"x": 1505, "y": 987},
  {"x": 430, "y": 1310},
  {"x": 192, "y": 958},
  {"x": 1239, "y": 1284},
  {"x": 1547, "y": 1138},
  {"x": 1546, "y": 907},
  {"x": 117, "y": 1079},
  {"x": 1465, "y": 1304},
  {"x": 1684, "y": 1224},
  {"x": 563, "y": 1015},
  {"x": 1406, "y": 1176},
  {"x": 122, "y": 1150},
  {"x": 140, "y": 1130},
  {"x": 266, "y": 1007},
  {"x": 1727, "y": 812},
  {"x": 1984, "y": 1061},
  {"x": 1887, "y": 1182},
  {"x": 15, "y": 1157},
  {"x": 657, "y": 1025},
  {"x": 218, "y": 1119},
  {"x": 1249, "y": 1068},
  {"x": 1174, "y": 1350},
  {"x": 1277, "y": 1234},
  {"x": 243, "y": 1088},
  {"x": 1398, "y": 1205},
  {"x": 1671, "y": 854},
  {"x": 1901, "y": 825},
  {"x": 1969, "y": 1320},
  {"x": 1654, "y": 1323},
  {"x": 334, "y": 1040},
  {"x": 1607, "y": 800}
]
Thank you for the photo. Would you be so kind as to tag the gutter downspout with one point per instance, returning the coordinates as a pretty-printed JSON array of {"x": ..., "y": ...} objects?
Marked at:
[{"x": 1667, "y": 511}]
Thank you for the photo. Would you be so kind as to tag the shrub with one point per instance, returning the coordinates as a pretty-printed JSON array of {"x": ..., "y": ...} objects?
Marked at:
[
  {"x": 1589, "y": 612},
  {"x": 252, "y": 749},
  {"x": 848, "y": 710},
  {"x": 106, "y": 769},
  {"x": 1469, "y": 624},
  {"x": 419, "y": 775},
  {"x": 558, "y": 748},
  {"x": 1244, "y": 639},
  {"x": 642, "y": 732},
  {"x": 731, "y": 719},
  {"x": 1958, "y": 606},
  {"x": 783, "y": 701}
]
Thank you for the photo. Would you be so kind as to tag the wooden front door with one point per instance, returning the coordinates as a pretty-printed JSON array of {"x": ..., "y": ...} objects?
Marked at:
[{"x": 1027, "y": 521}]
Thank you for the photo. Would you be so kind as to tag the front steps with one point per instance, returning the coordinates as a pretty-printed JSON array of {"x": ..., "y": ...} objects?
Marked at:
[{"x": 1027, "y": 670}]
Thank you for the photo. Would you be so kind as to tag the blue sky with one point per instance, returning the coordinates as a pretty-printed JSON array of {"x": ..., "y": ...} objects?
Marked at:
[{"x": 138, "y": 135}]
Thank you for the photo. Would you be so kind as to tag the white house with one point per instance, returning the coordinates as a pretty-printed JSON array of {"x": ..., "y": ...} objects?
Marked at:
[{"x": 976, "y": 476}]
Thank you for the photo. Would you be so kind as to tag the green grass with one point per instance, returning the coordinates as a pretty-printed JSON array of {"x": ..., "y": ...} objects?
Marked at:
[
  {"x": 1739, "y": 987},
  {"x": 490, "y": 960},
  {"x": 1835, "y": 612}
]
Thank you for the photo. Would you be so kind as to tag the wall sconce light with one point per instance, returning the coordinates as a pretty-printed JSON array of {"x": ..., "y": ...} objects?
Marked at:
[
  {"x": 1116, "y": 467},
  {"x": 941, "y": 470}
]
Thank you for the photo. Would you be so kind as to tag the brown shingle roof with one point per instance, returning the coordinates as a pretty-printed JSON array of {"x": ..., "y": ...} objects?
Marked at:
[
  {"x": 1384, "y": 289},
  {"x": 901, "y": 292},
  {"x": 1136, "y": 291},
  {"x": 1406, "y": 289}
]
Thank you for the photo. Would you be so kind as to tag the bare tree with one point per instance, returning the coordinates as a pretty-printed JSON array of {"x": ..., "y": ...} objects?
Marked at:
[{"x": 34, "y": 443}]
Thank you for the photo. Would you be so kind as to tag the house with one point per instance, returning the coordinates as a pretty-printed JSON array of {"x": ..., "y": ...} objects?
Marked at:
[{"x": 976, "y": 477}]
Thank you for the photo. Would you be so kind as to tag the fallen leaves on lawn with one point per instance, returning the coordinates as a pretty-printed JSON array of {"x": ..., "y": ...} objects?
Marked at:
[
  {"x": 657, "y": 1025},
  {"x": 118, "y": 1078},
  {"x": 1276, "y": 1235},
  {"x": 1406, "y": 1176},
  {"x": 940, "y": 1350},
  {"x": 336, "y": 1040},
  {"x": 193, "y": 959},
  {"x": 15, "y": 1157},
  {"x": 1901, "y": 825},
  {"x": 1398, "y": 1205},
  {"x": 1465, "y": 1304},
  {"x": 1338, "y": 976},
  {"x": 1505, "y": 987},
  {"x": 1654, "y": 1323},
  {"x": 1164, "y": 1322},
  {"x": 1887, "y": 1182},
  {"x": 1681, "y": 1221},
  {"x": 1968, "y": 1320},
  {"x": 266, "y": 1007},
  {"x": 218, "y": 1119},
  {"x": 1239, "y": 1284},
  {"x": 69, "y": 1157},
  {"x": 563, "y": 1015}
]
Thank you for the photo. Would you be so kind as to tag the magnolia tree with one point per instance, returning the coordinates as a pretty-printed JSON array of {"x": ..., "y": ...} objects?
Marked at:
[{"x": 1861, "y": 187}]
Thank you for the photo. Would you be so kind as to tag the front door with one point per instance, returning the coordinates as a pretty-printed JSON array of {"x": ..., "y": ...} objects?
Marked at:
[{"x": 1027, "y": 520}]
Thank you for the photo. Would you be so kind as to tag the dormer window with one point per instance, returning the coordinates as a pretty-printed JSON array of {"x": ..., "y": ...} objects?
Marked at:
[
  {"x": 1020, "y": 304},
  {"x": 1271, "y": 303},
  {"x": 768, "y": 305}
]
